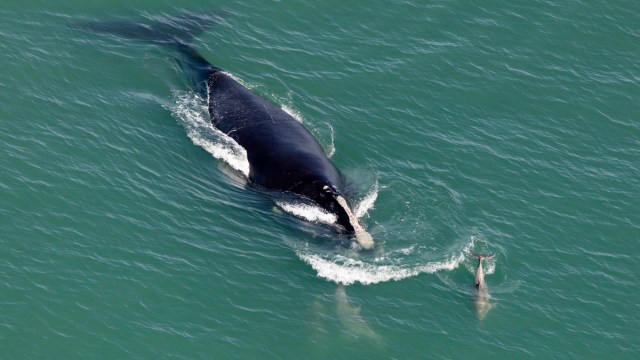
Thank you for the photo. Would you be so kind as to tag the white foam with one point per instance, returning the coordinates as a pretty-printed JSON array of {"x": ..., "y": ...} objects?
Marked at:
[
  {"x": 293, "y": 112},
  {"x": 240, "y": 81},
  {"x": 347, "y": 271},
  {"x": 407, "y": 251},
  {"x": 489, "y": 265},
  {"x": 367, "y": 202},
  {"x": 391, "y": 266},
  {"x": 191, "y": 110},
  {"x": 332, "y": 146},
  {"x": 308, "y": 212}
]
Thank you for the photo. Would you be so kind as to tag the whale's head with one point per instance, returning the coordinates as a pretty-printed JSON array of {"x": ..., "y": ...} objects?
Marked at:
[
  {"x": 331, "y": 200},
  {"x": 328, "y": 199}
]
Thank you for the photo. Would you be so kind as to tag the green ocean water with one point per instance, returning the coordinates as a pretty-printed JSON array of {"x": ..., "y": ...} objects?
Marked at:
[{"x": 497, "y": 127}]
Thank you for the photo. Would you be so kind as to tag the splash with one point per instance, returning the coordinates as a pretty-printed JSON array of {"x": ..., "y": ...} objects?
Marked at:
[
  {"x": 363, "y": 238},
  {"x": 308, "y": 212},
  {"x": 393, "y": 265},
  {"x": 481, "y": 246},
  {"x": 332, "y": 146},
  {"x": 366, "y": 204},
  {"x": 314, "y": 213},
  {"x": 490, "y": 266},
  {"x": 240, "y": 81},
  {"x": 191, "y": 111},
  {"x": 345, "y": 270},
  {"x": 293, "y": 112}
]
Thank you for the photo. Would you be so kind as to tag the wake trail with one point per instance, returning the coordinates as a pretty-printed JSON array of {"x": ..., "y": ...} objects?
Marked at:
[{"x": 190, "y": 109}]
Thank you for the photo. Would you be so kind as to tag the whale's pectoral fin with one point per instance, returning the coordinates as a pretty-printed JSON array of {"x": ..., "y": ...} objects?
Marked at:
[{"x": 364, "y": 239}]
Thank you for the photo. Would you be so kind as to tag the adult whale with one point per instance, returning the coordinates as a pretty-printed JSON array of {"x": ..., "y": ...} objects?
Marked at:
[{"x": 282, "y": 153}]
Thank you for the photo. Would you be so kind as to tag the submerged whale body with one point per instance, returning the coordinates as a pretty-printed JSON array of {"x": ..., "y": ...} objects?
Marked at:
[
  {"x": 282, "y": 153},
  {"x": 482, "y": 296}
]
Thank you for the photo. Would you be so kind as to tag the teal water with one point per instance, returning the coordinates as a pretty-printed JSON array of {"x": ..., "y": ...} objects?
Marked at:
[{"x": 503, "y": 127}]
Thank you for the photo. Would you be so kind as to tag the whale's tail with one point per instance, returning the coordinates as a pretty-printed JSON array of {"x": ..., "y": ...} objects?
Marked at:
[
  {"x": 175, "y": 33},
  {"x": 164, "y": 30},
  {"x": 482, "y": 297},
  {"x": 482, "y": 256}
]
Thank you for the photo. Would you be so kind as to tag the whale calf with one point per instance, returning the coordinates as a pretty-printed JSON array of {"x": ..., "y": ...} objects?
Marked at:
[
  {"x": 482, "y": 297},
  {"x": 282, "y": 153}
]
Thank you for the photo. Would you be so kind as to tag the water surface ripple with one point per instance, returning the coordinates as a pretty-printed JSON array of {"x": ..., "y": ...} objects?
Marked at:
[{"x": 129, "y": 230}]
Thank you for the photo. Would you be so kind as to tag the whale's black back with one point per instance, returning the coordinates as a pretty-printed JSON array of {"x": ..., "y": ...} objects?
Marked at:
[{"x": 282, "y": 153}]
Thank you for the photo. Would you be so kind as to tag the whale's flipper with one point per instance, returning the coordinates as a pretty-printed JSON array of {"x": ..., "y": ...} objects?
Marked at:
[{"x": 175, "y": 33}]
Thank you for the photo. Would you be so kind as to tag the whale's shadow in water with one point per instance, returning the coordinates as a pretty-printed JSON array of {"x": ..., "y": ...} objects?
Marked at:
[{"x": 350, "y": 317}]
